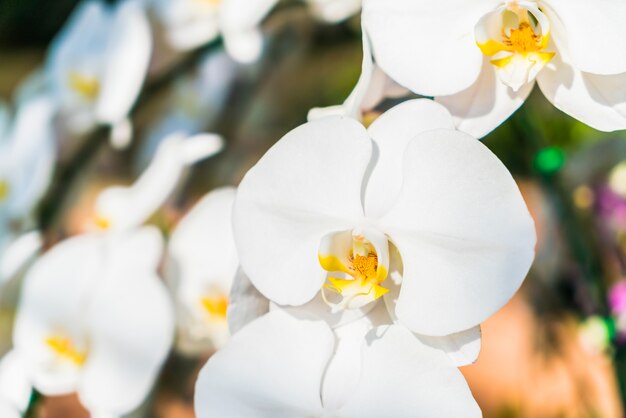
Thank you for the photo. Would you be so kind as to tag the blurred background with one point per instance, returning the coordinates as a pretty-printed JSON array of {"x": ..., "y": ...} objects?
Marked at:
[{"x": 557, "y": 350}]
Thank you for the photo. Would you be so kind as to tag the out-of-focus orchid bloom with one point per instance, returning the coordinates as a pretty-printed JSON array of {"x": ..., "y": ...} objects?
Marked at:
[
  {"x": 333, "y": 11},
  {"x": 97, "y": 64},
  {"x": 293, "y": 364},
  {"x": 27, "y": 154},
  {"x": 192, "y": 23},
  {"x": 120, "y": 208},
  {"x": 481, "y": 58},
  {"x": 201, "y": 267},
  {"x": 93, "y": 318},
  {"x": 347, "y": 198}
]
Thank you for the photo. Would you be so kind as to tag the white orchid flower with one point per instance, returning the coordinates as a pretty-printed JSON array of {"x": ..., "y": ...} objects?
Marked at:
[
  {"x": 120, "y": 208},
  {"x": 240, "y": 20},
  {"x": 329, "y": 204},
  {"x": 293, "y": 364},
  {"x": 27, "y": 154},
  {"x": 201, "y": 267},
  {"x": 481, "y": 58},
  {"x": 97, "y": 64},
  {"x": 93, "y": 318},
  {"x": 192, "y": 23}
]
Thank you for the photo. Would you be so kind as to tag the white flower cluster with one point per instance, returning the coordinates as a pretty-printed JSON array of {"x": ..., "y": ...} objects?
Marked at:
[{"x": 355, "y": 263}]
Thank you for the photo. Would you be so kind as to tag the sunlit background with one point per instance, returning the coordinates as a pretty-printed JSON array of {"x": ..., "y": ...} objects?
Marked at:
[{"x": 555, "y": 351}]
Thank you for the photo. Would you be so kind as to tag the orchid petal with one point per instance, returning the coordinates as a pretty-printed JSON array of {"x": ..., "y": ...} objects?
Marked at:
[
  {"x": 591, "y": 34},
  {"x": 403, "y": 378},
  {"x": 55, "y": 292},
  {"x": 86, "y": 31},
  {"x": 280, "y": 377},
  {"x": 597, "y": 100},
  {"x": 15, "y": 388},
  {"x": 126, "y": 207},
  {"x": 202, "y": 245},
  {"x": 32, "y": 154},
  {"x": 391, "y": 133},
  {"x": 131, "y": 326},
  {"x": 427, "y": 47},
  {"x": 484, "y": 105},
  {"x": 461, "y": 347},
  {"x": 466, "y": 251},
  {"x": 291, "y": 199},
  {"x": 246, "y": 303},
  {"x": 18, "y": 253},
  {"x": 126, "y": 64}
]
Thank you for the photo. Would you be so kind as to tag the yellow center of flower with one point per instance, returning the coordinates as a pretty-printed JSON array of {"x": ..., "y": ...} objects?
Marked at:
[
  {"x": 215, "y": 305},
  {"x": 517, "y": 40},
  {"x": 523, "y": 40},
  {"x": 64, "y": 349},
  {"x": 362, "y": 265},
  {"x": 4, "y": 190},
  {"x": 102, "y": 222},
  {"x": 86, "y": 86}
]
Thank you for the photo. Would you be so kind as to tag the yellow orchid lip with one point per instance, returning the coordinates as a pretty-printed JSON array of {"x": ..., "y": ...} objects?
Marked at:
[
  {"x": 86, "y": 86},
  {"x": 64, "y": 348},
  {"x": 102, "y": 222},
  {"x": 215, "y": 305},
  {"x": 516, "y": 38},
  {"x": 5, "y": 189},
  {"x": 359, "y": 260}
]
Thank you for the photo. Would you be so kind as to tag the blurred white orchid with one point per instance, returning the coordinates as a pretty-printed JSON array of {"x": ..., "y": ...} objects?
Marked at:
[
  {"x": 293, "y": 364},
  {"x": 93, "y": 318},
  {"x": 120, "y": 208},
  {"x": 481, "y": 58},
  {"x": 191, "y": 23},
  {"x": 97, "y": 64},
  {"x": 347, "y": 197},
  {"x": 27, "y": 154},
  {"x": 201, "y": 266}
]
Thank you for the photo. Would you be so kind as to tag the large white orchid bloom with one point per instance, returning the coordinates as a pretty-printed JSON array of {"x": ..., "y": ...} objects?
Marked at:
[
  {"x": 97, "y": 64},
  {"x": 481, "y": 58},
  {"x": 93, "y": 318},
  {"x": 201, "y": 267},
  {"x": 27, "y": 153},
  {"x": 328, "y": 205},
  {"x": 293, "y": 364}
]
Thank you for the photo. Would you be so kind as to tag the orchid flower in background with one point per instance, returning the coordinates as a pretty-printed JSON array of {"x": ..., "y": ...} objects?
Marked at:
[
  {"x": 481, "y": 59},
  {"x": 93, "y": 318},
  {"x": 239, "y": 21},
  {"x": 302, "y": 367},
  {"x": 97, "y": 64},
  {"x": 27, "y": 155},
  {"x": 189, "y": 24},
  {"x": 201, "y": 265},
  {"x": 348, "y": 199},
  {"x": 120, "y": 208}
]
